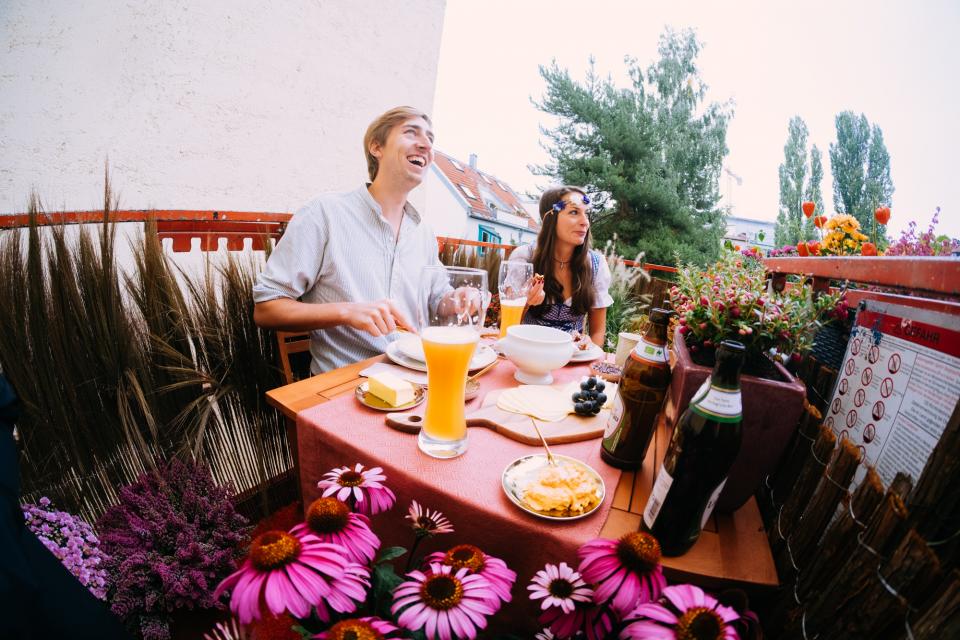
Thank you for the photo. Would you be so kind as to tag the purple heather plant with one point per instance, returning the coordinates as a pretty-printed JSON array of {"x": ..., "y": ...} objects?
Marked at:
[
  {"x": 786, "y": 250},
  {"x": 924, "y": 244},
  {"x": 171, "y": 539},
  {"x": 72, "y": 541}
]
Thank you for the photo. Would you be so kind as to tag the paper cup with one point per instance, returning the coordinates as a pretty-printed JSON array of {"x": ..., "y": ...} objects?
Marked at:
[{"x": 625, "y": 344}]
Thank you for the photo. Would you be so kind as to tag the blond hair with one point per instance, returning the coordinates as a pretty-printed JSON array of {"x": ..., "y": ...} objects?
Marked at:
[{"x": 380, "y": 128}]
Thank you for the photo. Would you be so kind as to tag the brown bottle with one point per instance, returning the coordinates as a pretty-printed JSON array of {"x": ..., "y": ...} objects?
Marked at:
[{"x": 640, "y": 396}]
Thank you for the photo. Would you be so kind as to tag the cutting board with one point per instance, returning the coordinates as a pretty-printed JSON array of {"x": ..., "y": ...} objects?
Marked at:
[{"x": 515, "y": 426}]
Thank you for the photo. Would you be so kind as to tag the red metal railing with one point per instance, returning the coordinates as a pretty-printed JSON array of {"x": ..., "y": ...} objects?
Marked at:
[
  {"x": 925, "y": 282},
  {"x": 235, "y": 227}
]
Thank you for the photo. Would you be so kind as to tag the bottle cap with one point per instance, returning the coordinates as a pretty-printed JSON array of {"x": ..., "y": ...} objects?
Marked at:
[{"x": 660, "y": 316}]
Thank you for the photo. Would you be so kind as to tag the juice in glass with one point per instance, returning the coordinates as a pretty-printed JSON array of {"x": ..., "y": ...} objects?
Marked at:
[
  {"x": 448, "y": 351},
  {"x": 511, "y": 311}
]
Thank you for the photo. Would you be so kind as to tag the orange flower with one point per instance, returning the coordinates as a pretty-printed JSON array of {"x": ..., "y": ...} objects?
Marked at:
[
  {"x": 802, "y": 249},
  {"x": 868, "y": 249},
  {"x": 882, "y": 214},
  {"x": 819, "y": 221},
  {"x": 813, "y": 247},
  {"x": 808, "y": 208}
]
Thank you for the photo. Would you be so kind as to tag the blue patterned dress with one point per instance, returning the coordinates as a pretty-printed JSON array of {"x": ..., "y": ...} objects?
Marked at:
[{"x": 560, "y": 315}]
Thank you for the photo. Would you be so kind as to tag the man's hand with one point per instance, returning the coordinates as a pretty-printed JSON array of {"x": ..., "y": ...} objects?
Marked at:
[{"x": 378, "y": 318}]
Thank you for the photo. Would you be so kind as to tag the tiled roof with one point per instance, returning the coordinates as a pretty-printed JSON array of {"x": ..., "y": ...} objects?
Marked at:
[{"x": 470, "y": 182}]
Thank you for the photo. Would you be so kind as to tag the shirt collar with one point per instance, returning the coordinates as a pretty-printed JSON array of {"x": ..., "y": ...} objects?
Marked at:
[{"x": 408, "y": 209}]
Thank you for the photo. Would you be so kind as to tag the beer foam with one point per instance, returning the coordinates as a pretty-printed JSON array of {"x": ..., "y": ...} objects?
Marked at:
[
  {"x": 515, "y": 302},
  {"x": 450, "y": 335}
]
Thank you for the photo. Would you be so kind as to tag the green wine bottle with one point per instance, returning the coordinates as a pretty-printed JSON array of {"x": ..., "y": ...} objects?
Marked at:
[{"x": 704, "y": 445}]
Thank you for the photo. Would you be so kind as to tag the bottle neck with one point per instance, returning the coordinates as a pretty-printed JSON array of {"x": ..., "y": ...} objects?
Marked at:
[
  {"x": 726, "y": 374},
  {"x": 656, "y": 333}
]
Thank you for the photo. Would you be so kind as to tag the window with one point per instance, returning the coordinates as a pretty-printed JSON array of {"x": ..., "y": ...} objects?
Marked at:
[
  {"x": 467, "y": 191},
  {"x": 487, "y": 234}
]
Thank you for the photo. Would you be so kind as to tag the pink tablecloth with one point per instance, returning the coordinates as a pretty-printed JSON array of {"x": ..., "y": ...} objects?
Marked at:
[{"x": 466, "y": 489}]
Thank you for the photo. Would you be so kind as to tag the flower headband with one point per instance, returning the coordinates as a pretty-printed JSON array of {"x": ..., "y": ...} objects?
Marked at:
[{"x": 561, "y": 205}]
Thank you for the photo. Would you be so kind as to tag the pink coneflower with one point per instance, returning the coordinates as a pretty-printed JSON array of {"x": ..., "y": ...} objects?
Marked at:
[
  {"x": 444, "y": 602},
  {"x": 332, "y": 521},
  {"x": 495, "y": 570},
  {"x": 625, "y": 572},
  {"x": 360, "y": 629},
  {"x": 544, "y": 634},
  {"x": 290, "y": 573},
  {"x": 684, "y": 613},
  {"x": 426, "y": 522},
  {"x": 363, "y": 490},
  {"x": 559, "y": 586},
  {"x": 230, "y": 630}
]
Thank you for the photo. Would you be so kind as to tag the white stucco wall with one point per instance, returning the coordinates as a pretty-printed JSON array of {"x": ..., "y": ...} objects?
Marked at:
[
  {"x": 444, "y": 210},
  {"x": 242, "y": 105}
]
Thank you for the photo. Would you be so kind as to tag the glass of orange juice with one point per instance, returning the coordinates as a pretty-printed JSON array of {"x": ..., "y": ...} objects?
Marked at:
[
  {"x": 450, "y": 313},
  {"x": 514, "y": 284}
]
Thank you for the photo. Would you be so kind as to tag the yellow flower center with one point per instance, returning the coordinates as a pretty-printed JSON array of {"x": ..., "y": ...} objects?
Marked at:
[
  {"x": 350, "y": 479},
  {"x": 353, "y": 630},
  {"x": 638, "y": 551},
  {"x": 465, "y": 555},
  {"x": 273, "y": 549},
  {"x": 327, "y": 515},
  {"x": 700, "y": 623},
  {"x": 441, "y": 591}
]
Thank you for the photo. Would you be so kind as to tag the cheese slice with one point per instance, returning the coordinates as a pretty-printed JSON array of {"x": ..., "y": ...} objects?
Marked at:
[
  {"x": 542, "y": 403},
  {"x": 391, "y": 389}
]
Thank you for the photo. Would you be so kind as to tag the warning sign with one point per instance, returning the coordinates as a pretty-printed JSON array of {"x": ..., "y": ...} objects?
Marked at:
[{"x": 897, "y": 415}]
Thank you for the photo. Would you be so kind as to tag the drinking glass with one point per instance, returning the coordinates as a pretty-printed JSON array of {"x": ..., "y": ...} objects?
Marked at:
[
  {"x": 514, "y": 284},
  {"x": 452, "y": 305}
]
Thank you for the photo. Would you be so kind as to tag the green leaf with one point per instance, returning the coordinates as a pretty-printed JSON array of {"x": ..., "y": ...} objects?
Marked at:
[{"x": 389, "y": 553}]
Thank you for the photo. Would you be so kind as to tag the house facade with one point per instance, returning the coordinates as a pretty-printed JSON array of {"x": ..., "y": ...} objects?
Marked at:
[
  {"x": 748, "y": 232},
  {"x": 464, "y": 202}
]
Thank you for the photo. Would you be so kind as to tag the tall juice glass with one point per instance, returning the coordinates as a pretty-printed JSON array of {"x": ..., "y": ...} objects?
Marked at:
[
  {"x": 451, "y": 311},
  {"x": 514, "y": 284}
]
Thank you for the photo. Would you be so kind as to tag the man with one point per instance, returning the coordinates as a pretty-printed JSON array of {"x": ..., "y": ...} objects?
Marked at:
[{"x": 348, "y": 264}]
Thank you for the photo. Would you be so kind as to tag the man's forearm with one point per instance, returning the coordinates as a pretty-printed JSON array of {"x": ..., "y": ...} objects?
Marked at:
[{"x": 285, "y": 314}]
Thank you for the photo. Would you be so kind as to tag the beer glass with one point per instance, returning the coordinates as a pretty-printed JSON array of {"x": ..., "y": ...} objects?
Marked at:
[
  {"x": 450, "y": 313},
  {"x": 514, "y": 284}
]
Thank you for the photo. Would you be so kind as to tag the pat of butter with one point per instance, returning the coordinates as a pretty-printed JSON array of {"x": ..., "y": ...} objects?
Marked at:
[{"x": 391, "y": 389}]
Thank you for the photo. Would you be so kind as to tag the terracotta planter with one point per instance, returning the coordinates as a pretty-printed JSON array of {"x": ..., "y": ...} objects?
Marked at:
[{"x": 771, "y": 412}]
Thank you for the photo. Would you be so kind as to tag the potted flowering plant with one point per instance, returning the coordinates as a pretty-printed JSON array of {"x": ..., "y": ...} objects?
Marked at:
[{"x": 731, "y": 301}]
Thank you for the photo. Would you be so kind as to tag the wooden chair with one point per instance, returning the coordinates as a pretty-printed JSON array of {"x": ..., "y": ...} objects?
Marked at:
[{"x": 293, "y": 342}]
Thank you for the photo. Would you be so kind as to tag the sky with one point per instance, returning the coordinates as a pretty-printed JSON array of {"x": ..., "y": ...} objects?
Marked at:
[{"x": 895, "y": 62}]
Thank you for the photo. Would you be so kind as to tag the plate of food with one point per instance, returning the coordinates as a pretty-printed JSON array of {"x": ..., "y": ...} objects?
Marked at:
[
  {"x": 482, "y": 357},
  {"x": 386, "y": 392},
  {"x": 567, "y": 490},
  {"x": 586, "y": 353}
]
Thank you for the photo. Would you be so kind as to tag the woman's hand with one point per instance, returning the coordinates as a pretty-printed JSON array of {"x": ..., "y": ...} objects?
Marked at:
[{"x": 536, "y": 294}]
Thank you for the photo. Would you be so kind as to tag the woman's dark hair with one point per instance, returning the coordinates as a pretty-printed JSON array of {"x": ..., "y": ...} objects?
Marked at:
[{"x": 544, "y": 263}]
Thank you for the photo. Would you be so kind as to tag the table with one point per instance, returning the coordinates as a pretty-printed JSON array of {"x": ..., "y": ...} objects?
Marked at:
[{"x": 732, "y": 550}]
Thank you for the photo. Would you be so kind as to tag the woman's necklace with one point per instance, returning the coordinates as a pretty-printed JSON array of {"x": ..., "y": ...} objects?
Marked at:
[{"x": 563, "y": 263}]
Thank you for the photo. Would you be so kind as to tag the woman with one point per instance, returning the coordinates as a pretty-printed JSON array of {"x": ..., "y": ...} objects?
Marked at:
[{"x": 576, "y": 278}]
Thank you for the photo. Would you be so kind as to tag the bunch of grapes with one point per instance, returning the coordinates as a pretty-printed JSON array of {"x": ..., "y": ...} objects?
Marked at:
[{"x": 589, "y": 400}]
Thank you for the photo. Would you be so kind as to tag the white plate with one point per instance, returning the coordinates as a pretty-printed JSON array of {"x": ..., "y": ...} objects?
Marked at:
[
  {"x": 593, "y": 352},
  {"x": 411, "y": 346},
  {"x": 366, "y": 398},
  {"x": 483, "y": 356},
  {"x": 517, "y": 474}
]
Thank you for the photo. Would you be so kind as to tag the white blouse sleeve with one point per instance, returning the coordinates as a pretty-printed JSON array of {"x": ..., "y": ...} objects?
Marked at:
[
  {"x": 601, "y": 285},
  {"x": 523, "y": 253}
]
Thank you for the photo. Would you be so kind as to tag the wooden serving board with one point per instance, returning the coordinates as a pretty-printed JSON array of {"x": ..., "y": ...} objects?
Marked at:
[{"x": 515, "y": 426}]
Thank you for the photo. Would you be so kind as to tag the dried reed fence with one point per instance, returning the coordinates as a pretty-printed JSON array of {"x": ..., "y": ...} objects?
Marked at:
[
  {"x": 863, "y": 562},
  {"x": 119, "y": 372}
]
